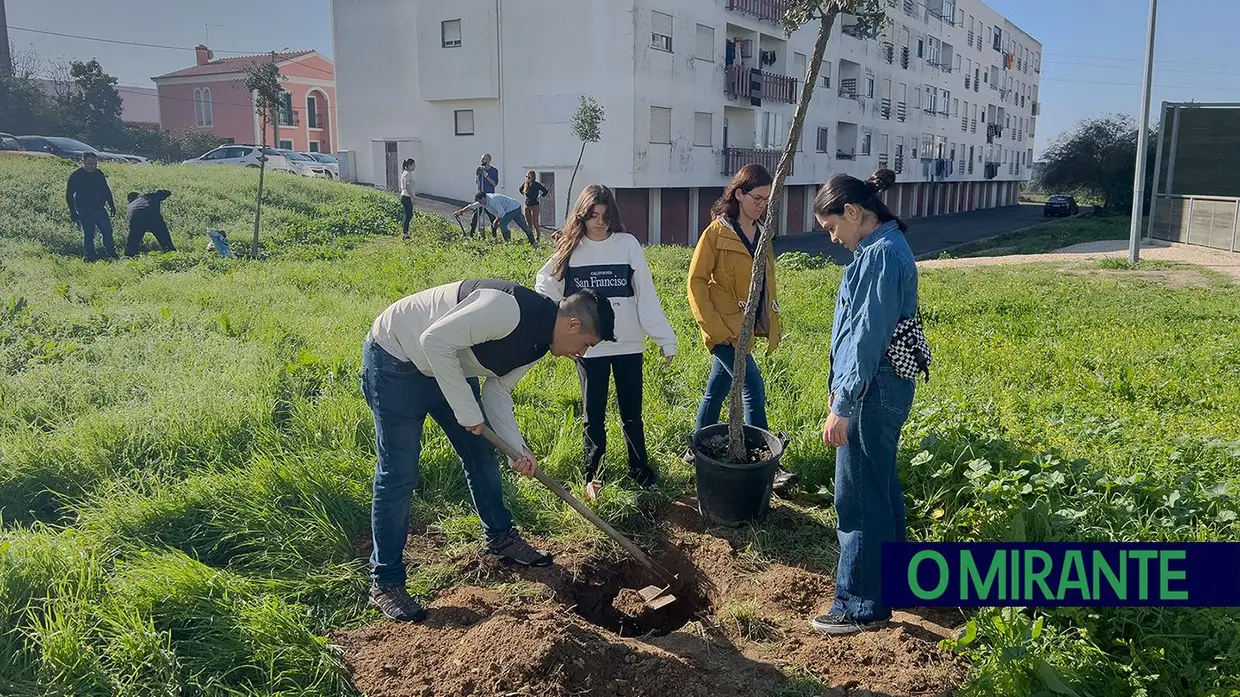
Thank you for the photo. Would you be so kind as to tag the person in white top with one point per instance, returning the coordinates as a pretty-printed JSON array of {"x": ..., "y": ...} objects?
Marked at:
[
  {"x": 593, "y": 252},
  {"x": 505, "y": 209},
  {"x": 407, "y": 189}
]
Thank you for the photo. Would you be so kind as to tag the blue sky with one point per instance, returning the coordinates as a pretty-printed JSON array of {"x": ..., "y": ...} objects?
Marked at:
[{"x": 1092, "y": 49}]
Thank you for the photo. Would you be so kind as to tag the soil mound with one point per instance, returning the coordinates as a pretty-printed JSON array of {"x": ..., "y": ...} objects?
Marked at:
[{"x": 739, "y": 629}]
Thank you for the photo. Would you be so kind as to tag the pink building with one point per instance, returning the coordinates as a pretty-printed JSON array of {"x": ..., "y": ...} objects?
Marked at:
[{"x": 211, "y": 96}]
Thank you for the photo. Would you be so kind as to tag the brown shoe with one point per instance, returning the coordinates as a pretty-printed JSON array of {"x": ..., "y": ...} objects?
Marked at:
[{"x": 514, "y": 548}]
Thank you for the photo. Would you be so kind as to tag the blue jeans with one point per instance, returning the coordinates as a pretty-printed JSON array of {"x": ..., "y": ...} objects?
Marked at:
[
  {"x": 753, "y": 392},
  {"x": 96, "y": 219},
  {"x": 400, "y": 398},
  {"x": 518, "y": 217},
  {"x": 868, "y": 500}
]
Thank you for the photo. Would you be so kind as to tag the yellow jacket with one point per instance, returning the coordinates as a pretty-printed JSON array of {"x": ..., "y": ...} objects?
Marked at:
[{"x": 719, "y": 278}]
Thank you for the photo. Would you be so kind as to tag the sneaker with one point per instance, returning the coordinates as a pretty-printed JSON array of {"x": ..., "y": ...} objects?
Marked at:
[
  {"x": 785, "y": 479},
  {"x": 593, "y": 490},
  {"x": 514, "y": 548},
  {"x": 395, "y": 604},
  {"x": 837, "y": 623},
  {"x": 645, "y": 478},
  {"x": 688, "y": 457}
]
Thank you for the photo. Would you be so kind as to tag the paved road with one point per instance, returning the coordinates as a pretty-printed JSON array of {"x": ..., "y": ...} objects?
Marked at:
[{"x": 928, "y": 235}]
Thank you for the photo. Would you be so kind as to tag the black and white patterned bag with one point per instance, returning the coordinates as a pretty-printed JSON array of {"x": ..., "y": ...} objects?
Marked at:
[{"x": 909, "y": 353}]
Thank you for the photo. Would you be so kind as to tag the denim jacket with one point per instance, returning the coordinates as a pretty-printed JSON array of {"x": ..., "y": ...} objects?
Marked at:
[{"x": 879, "y": 288}]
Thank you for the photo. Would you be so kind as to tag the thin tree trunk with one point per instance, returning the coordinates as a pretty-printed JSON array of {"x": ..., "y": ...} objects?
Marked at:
[
  {"x": 258, "y": 205},
  {"x": 736, "y": 420},
  {"x": 568, "y": 195}
]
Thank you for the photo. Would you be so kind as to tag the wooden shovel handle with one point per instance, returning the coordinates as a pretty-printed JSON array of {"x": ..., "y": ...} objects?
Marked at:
[{"x": 568, "y": 498}]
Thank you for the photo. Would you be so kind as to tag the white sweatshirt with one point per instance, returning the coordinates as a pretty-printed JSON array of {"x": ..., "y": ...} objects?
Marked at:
[
  {"x": 408, "y": 185},
  {"x": 615, "y": 268}
]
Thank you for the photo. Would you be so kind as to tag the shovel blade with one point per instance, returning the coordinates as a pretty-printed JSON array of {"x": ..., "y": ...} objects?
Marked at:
[{"x": 656, "y": 597}]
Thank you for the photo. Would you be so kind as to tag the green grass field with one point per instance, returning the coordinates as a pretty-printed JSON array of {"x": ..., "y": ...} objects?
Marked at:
[
  {"x": 1049, "y": 237},
  {"x": 185, "y": 455}
]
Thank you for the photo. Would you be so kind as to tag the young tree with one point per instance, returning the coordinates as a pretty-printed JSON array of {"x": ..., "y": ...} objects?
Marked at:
[
  {"x": 587, "y": 126},
  {"x": 92, "y": 106},
  {"x": 263, "y": 82},
  {"x": 869, "y": 16}
]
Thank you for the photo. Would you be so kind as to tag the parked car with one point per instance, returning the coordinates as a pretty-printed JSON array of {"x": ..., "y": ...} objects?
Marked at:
[
  {"x": 69, "y": 148},
  {"x": 10, "y": 144},
  {"x": 305, "y": 165},
  {"x": 1059, "y": 205},
  {"x": 243, "y": 156},
  {"x": 330, "y": 163}
]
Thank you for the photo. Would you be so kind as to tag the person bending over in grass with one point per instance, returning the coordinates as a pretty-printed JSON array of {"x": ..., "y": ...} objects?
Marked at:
[
  {"x": 505, "y": 210},
  {"x": 877, "y": 349},
  {"x": 594, "y": 252},
  {"x": 145, "y": 215},
  {"x": 423, "y": 357},
  {"x": 719, "y": 278}
]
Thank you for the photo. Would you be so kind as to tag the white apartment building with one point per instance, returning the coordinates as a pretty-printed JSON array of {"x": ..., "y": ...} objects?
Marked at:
[{"x": 947, "y": 97}]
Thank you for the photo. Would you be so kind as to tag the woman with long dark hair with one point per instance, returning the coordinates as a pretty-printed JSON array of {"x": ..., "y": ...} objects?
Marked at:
[
  {"x": 408, "y": 188},
  {"x": 719, "y": 278},
  {"x": 593, "y": 251},
  {"x": 534, "y": 192},
  {"x": 877, "y": 349}
]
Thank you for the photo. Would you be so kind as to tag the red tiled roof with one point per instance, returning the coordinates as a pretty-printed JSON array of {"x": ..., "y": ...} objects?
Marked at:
[{"x": 237, "y": 64}]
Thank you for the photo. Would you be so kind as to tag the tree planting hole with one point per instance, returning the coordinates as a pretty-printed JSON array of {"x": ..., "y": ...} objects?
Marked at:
[{"x": 608, "y": 597}]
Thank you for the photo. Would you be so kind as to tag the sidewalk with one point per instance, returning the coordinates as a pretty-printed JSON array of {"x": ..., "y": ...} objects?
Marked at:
[{"x": 1151, "y": 250}]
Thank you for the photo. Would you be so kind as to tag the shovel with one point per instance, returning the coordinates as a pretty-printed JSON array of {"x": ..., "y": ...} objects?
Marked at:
[{"x": 654, "y": 596}]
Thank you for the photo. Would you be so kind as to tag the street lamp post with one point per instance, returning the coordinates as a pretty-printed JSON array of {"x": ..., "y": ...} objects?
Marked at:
[{"x": 1138, "y": 181}]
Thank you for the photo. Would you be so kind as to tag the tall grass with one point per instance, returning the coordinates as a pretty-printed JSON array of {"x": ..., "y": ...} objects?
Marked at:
[{"x": 185, "y": 455}]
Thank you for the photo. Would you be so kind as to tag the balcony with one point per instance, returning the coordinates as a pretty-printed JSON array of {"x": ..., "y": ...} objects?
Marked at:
[
  {"x": 775, "y": 87},
  {"x": 848, "y": 89},
  {"x": 991, "y": 170},
  {"x": 889, "y": 52},
  {"x": 973, "y": 125},
  {"x": 964, "y": 124},
  {"x": 317, "y": 119},
  {"x": 968, "y": 82},
  {"x": 899, "y": 164},
  {"x": 884, "y": 109},
  {"x": 970, "y": 166},
  {"x": 882, "y": 160},
  {"x": 910, "y": 8},
  {"x": 977, "y": 85},
  {"x": 901, "y": 111},
  {"x": 1037, "y": 108},
  {"x": 851, "y": 30},
  {"x": 736, "y": 158},
  {"x": 961, "y": 170},
  {"x": 767, "y": 10},
  {"x": 904, "y": 57},
  {"x": 971, "y": 35}
]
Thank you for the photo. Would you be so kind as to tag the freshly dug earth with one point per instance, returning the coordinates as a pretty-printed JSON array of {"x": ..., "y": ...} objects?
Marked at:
[{"x": 580, "y": 628}]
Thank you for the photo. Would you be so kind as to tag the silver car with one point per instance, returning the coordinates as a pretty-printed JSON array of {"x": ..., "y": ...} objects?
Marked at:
[{"x": 243, "y": 156}]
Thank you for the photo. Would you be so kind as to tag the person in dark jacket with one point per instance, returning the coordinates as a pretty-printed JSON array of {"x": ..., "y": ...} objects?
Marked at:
[
  {"x": 145, "y": 215},
  {"x": 87, "y": 195}
]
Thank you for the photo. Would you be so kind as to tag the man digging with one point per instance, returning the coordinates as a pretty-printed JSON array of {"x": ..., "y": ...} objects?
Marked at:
[{"x": 423, "y": 357}]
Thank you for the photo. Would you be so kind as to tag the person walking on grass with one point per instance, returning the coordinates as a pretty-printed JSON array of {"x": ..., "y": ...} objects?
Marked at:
[
  {"x": 87, "y": 194},
  {"x": 145, "y": 215},
  {"x": 719, "y": 278},
  {"x": 534, "y": 191},
  {"x": 408, "y": 187},
  {"x": 487, "y": 178},
  {"x": 877, "y": 349},
  {"x": 594, "y": 252},
  {"x": 423, "y": 357},
  {"x": 505, "y": 210}
]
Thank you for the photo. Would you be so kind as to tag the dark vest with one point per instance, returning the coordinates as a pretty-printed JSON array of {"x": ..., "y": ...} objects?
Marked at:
[{"x": 527, "y": 343}]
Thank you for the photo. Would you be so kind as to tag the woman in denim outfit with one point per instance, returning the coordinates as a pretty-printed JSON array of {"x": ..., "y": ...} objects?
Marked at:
[{"x": 869, "y": 401}]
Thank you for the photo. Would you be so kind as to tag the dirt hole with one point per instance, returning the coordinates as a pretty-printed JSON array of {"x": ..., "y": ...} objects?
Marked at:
[{"x": 607, "y": 596}]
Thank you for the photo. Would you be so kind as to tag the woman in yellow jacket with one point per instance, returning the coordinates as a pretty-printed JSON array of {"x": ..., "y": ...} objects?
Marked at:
[{"x": 719, "y": 278}]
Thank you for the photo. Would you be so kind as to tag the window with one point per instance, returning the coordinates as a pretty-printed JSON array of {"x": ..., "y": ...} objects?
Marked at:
[
  {"x": 957, "y": 62},
  {"x": 314, "y": 146},
  {"x": 661, "y": 31},
  {"x": 286, "y": 145},
  {"x": 932, "y": 56},
  {"x": 826, "y": 74},
  {"x": 865, "y": 143},
  {"x": 705, "y": 43},
  {"x": 971, "y": 22},
  {"x": 772, "y": 130},
  {"x": 869, "y": 86},
  {"x": 660, "y": 125},
  {"x": 450, "y": 33},
  {"x": 312, "y": 112},
  {"x": 913, "y": 148},
  {"x": 822, "y": 139},
  {"x": 998, "y": 40},
  {"x": 286, "y": 109},
  {"x": 203, "y": 117},
  {"x": 463, "y": 122},
  {"x": 703, "y": 127},
  {"x": 921, "y": 47},
  {"x": 946, "y": 102},
  {"x": 955, "y": 107},
  {"x": 799, "y": 62}
]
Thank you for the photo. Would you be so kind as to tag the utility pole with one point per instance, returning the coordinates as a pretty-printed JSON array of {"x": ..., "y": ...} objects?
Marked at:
[
  {"x": 6, "y": 59},
  {"x": 1138, "y": 182}
]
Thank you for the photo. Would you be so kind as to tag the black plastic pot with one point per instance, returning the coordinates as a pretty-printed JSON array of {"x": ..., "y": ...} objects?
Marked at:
[{"x": 731, "y": 494}]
